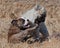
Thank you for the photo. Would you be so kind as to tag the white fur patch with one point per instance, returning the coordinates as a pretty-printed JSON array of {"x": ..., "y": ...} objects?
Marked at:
[{"x": 31, "y": 15}]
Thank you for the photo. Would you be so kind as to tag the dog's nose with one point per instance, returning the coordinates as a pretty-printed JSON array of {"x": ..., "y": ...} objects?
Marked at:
[{"x": 26, "y": 22}]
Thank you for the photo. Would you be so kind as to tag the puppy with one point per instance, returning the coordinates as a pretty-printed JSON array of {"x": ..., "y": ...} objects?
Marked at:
[{"x": 16, "y": 38}]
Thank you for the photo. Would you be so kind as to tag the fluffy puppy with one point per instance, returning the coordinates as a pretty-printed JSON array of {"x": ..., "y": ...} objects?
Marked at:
[
  {"x": 16, "y": 38},
  {"x": 18, "y": 31}
]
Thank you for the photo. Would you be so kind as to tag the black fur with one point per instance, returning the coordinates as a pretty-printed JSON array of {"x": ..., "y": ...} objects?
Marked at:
[{"x": 40, "y": 19}]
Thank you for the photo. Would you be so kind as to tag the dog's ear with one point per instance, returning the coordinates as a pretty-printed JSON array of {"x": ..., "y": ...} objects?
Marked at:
[
  {"x": 37, "y": 7},
  {"x": 13, "y": 22}
]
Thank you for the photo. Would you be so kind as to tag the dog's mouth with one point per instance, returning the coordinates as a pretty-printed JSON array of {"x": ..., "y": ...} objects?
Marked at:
[{"x": 24, "y": 27}]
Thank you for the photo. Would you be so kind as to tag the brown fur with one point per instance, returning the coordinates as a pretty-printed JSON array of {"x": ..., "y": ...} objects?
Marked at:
[
  {"x": 19, "y": 36},
  {"x": 13, "y": 30}
]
